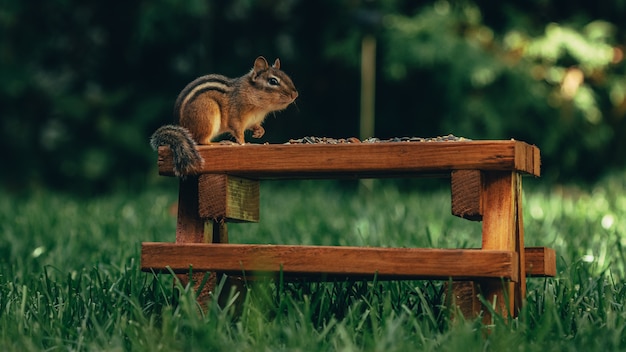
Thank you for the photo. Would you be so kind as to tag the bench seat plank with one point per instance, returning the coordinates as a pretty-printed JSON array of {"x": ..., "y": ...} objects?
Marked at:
[{"x": 397, "y": 159}]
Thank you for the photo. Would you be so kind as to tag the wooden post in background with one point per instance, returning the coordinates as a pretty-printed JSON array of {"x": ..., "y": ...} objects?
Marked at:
[
  {"x": 368, "y": 86},
  {"x": 367, "y": 121}
]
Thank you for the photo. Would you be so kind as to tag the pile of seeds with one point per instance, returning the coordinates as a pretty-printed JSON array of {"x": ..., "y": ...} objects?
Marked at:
[{"x": 328, "y": 140}]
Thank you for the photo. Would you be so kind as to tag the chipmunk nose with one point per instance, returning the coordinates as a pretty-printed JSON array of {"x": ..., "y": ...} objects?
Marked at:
[{"x": 294, "y": 95}]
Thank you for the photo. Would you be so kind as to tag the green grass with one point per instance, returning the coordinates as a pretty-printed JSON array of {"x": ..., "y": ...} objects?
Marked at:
[{"x": 70, "y": 278}]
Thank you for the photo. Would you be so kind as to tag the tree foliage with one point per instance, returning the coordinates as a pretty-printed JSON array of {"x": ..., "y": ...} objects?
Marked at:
[
  {"x": 560, "y": 87},
  {"x": 84, "y": 83}
]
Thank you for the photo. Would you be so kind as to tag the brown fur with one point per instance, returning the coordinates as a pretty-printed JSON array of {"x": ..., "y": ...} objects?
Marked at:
[{"x": 212, "y": 105}]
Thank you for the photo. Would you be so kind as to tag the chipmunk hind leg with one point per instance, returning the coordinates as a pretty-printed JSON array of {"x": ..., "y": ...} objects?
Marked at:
[{"x": 202, "y": 117}]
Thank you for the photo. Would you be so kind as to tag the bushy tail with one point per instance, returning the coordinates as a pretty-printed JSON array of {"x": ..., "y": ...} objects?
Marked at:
[{"x": 186, "y": 158}]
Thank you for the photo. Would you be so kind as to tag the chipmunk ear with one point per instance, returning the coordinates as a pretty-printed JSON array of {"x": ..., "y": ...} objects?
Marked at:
[
  {"x": 260, "y": 64},
  {"x": 276, "y": 64}
]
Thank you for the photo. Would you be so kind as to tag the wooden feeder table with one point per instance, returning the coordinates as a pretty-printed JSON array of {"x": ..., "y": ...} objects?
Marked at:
[{"x": 486, "y": 186}]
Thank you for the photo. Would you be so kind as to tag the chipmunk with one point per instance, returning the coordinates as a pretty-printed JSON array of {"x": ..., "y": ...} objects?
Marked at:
[{"x": 214, "y": 104}]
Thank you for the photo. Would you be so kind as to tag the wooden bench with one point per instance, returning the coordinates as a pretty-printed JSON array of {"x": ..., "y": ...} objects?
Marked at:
[{"x": 485, "y": 186}]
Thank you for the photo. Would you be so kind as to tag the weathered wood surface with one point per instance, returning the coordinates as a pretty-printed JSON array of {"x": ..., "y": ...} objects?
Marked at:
[
  {"x": 540, "y": 261},
  {"x": 485, "y": 185},
  {"x": 190, "y": 228},
  {"x": 501, "y": 224},
  {"x": 361, "y": 159},
  {"x": 228, "y": 198},
  {"x": 466, "y": 194},
  {"x": 340, "y": 260}
]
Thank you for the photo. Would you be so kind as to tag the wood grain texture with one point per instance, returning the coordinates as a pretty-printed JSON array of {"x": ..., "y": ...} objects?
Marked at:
[
  {"x": 520, "y": 290},
  {"x": 359, "y": 261},
  {"x": 485, "y": 182},
  {"x": 499, "y": 228},
  {"x": 466, "y": 198},
  {"x": 540, "y": 262},
  {"x": 462, "y": 295},
  {"x": 361, "y": 159},
  {"x": 189, "y": 226},
  {"x": 527, "y": 158},
  {"x": 499, "y": 211},
  {"x": 217, "y": 230},
  {"x": 228, "y": 198}
]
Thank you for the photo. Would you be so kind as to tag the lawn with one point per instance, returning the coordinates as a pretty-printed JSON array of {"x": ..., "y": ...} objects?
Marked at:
[{"x": 70, "y": 278}]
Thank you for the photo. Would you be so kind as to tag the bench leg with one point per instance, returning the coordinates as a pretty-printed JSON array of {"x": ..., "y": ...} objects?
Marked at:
[
  {"x": 190, "y": 228},
  {"x": 496, "y": 199},
  {"x": 503, "y": 230},
  {"x": 205, "y": 204}
]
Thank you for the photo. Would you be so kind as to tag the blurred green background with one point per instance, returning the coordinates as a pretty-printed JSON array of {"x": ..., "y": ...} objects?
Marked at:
[{"x": 84, "y": 83}]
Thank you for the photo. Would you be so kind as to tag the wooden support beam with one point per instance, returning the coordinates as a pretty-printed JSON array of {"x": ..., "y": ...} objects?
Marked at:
[
  {"x": 228, "y": 198},
  {"x": 466, "y": 187},
  {"x": 540, "y": 262},
  {"x": 190, "y": 228},
  {"x": 501, "y": 231},
  {"x": 463, "y": 295},
  {"x": 527, "y": 159},
  {"x": 332, "y": 260},
  {"x": 520, "y": 288},
  {"x": 217, "y": 230}
]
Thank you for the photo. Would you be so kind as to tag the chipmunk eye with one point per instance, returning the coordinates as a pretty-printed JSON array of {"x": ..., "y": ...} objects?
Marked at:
[{"x": 273, "y": 81}]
